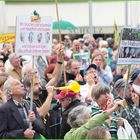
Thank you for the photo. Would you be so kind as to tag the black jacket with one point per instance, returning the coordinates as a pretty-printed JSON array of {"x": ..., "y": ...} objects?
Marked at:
[
  {"x": 65, "y": 127},
  {"x": 12, "y": 125}
]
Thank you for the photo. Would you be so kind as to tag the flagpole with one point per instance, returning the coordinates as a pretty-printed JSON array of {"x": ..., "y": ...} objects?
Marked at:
[
  {"x": 126, "y": 13},
  {"x": 60, "y": 39},
  {"x": 90, "y": 17},
  {"x": 129, "y": 65}
]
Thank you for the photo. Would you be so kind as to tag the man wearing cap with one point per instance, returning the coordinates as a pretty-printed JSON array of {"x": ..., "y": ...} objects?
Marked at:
[
  {"x": 132, "y": 112},
  {"x": 91, "y": 78},
  {"x": 134, "y": 81},
  {"x": 68, "y": 100},
  {"x": 119, "y": 87}
]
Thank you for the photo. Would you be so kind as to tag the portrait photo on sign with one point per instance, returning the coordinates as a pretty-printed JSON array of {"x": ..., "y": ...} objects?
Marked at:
[
  {"x": 31, "y": 37},
  {"x": 83, "y": 59},
  {"x": 129, "y": 48},
  {"x": 22, "y": 37},
  {"x": 39, "y": 37},
  {"x": 47, "y": 37}
]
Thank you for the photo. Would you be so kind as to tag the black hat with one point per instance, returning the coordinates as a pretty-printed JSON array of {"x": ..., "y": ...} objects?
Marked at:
[
  {"x": 91, "y": 66},
  {"x": 134, "y": 74}
]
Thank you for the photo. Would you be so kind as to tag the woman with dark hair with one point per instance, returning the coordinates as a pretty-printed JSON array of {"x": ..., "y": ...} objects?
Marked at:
[{"x": 48, "y": 71}]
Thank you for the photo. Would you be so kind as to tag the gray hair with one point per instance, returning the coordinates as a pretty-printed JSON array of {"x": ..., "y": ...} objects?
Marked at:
[
  {"x": 76, "y": 116},
  {"x": 11, "y": 56},
  {"x": 26, "y": 69},
  {"x": 7, "y": 86},
  {"x": 99, "y": 89}
]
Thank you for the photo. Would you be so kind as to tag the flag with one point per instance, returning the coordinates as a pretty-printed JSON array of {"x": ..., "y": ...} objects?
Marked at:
[{"x": 116, "y": 35}]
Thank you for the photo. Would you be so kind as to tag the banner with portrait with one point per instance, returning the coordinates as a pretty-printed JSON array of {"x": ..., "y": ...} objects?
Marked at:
[
  {"x": 129, "y": 49},
  {"x": 33, "y": 37}
]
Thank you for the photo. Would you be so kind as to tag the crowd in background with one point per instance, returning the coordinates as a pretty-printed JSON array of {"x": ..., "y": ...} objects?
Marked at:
[{"x": 107, "y": 105}]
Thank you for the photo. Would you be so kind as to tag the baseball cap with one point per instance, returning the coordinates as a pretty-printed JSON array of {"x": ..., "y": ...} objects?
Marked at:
[
  {"x": 65, "y": 93},
  {"x": 119, "y": 83},
  {"x": 91, "y": 66},
  {"x": 134, "y": 74}
]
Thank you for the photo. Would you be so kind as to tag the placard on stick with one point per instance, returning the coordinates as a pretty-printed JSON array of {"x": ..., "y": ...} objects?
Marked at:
[
  {"x": 33, "y": 38},
  {"x": 83, "y": 59},
  {"x": 129, "y": 49}
]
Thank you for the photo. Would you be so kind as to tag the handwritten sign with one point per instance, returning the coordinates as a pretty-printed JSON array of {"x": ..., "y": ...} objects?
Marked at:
[{"x": 33, "y": 38}]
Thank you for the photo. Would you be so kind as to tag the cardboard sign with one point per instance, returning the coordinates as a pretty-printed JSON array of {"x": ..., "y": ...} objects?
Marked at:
[
  {"x": 129, "y": 50},
  {"x": 33, "y": 37}
]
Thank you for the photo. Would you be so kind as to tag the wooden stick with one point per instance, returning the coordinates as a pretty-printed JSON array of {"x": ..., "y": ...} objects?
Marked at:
[
  {"x": 60, "y": 39},
  {"x": 57, "y": 13},
  {"x": 31, "y": 94}
]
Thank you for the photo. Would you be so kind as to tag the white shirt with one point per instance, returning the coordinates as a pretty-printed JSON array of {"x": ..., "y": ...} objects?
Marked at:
[{"x": 84, "y": 90}]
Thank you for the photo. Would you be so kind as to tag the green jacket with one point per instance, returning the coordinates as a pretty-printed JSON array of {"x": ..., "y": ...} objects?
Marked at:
[
  {"x": 113, "y": 127},
  {"x": 81, "y": 132}
]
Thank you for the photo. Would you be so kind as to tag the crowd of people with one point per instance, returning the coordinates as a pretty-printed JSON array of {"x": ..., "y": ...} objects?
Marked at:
[{"x": 107, "y": 106}]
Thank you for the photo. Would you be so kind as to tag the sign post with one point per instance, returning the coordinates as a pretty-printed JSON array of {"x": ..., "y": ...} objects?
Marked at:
[
  {"x": 34, "y": 38},
  {"x": 129, "y": 50}
]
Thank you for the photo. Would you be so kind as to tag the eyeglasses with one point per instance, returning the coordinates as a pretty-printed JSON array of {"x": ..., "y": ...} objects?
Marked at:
[{"x": 90, "y": 72}]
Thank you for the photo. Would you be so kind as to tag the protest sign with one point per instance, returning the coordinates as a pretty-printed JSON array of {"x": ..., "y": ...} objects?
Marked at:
[
  {"x": 83, "y": 59},
  {"x": 33, "y": 37},
  {"x": 129, "y": 49}
]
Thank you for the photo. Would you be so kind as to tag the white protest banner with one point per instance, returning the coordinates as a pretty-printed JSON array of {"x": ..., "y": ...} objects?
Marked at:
[
  {"x": 33, "y": 38},
  {"x": 129, "y": 50}
]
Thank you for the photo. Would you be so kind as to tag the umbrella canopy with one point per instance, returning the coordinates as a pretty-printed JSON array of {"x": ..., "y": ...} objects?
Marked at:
[{"x": 64, "y": 25}]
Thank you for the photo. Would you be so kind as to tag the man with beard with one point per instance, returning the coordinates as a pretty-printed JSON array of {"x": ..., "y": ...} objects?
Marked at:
[
  {"x": 41, "y": 97},
  {"x": 132, "y": 112},
  {"x": 72, "y": 73},
  {"x": 42, "y": 107}
]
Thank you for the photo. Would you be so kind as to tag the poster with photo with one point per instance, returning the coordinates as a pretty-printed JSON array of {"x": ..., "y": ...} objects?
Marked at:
[
  {"x": 33, "y": 37},
  {"x": 83, "y": 59},
  {"x": 129, "y": 49}
]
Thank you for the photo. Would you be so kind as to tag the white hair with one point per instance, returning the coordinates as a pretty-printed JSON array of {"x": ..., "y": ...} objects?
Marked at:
[
  {"x": 76, "y": 117},
  {"x": 26, "y": 69},
  {"x": 11, "y": 56},
  {"x": 7, "y": 86},
  {"x": 103, "y": 44}
]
